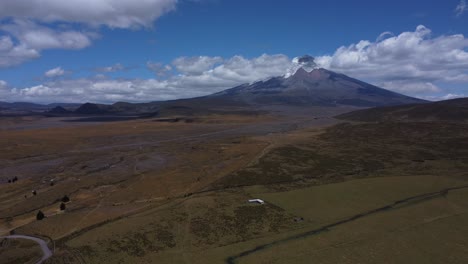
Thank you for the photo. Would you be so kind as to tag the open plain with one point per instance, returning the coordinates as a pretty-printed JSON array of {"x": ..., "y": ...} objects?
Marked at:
[{"x": 175, "y": 189}]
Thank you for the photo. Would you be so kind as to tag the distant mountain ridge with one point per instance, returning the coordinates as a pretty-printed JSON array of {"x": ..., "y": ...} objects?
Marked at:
[
  {"x": 117, "y": 108},
  {"x": 319, "y": 87},
  {"x": 28, "y": 105}
]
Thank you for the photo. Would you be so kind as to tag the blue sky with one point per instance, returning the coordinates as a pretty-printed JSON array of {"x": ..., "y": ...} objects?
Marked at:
[{"x": 112, "y": 50}]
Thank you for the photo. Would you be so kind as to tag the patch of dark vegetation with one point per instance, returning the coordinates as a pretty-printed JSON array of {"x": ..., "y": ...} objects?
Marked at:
[
  {"x": 362, "y": 150},
  {"x": 289, "y": 164}
]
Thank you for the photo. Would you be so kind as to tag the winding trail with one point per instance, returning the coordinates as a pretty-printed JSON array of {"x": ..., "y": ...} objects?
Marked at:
[
  {"x": 46, "y": 252},
  {"x": 392, "y": 206}
]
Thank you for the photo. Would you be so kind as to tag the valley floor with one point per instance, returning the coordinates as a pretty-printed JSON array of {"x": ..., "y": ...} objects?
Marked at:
[{"x": 144, "y": 191}]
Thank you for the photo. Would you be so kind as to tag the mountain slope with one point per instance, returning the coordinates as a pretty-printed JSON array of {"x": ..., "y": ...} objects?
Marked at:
[
  {"x": 455, "y": 110},
  {"x": 319, "y": 87},
  {"x": 117, "y": 108}
]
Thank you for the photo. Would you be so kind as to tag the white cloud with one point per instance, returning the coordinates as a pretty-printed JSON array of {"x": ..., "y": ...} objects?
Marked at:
[
  {"x": 195, "y": 65},
  {"x": 39, "y": 37},
  {"x": 11, "y": 54},
  {"x": 26, "y": 40},
  {"x": 29, "y": 27},
  {"x": 55, "y": 72},
  {"x": 413, "y": 60},
  {"x": 461, "y": 8},
  {"x": 240, "y": 69},
  {"x": 452, "y": 96},
  {"x": 111, "y": 13},
  {"x": 4, "y": 90},
  {"x": 113, "y": 68},
  {"x": 5, "y": 43},
  {"x": 232, "y": 72},
  {"x": 410, "y": 87},
  {"x": 414, "y": 63},
  {"x": 444, "y": 97},
  {"x": 3, "y": 85},
  {"x": 158, "y": 68}
]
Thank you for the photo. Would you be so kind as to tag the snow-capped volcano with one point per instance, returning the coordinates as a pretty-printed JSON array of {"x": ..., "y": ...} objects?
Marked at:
[
  {"x": 305, "y": 62},
  {"x": 311, "y": 85}
]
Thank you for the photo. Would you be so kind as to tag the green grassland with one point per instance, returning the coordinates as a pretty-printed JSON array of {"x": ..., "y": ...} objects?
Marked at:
[{"x": 433, "y": 231}]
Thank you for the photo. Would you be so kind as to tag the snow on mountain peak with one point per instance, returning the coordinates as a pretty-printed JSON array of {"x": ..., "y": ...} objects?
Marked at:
[{"x": 305, "y": 62}]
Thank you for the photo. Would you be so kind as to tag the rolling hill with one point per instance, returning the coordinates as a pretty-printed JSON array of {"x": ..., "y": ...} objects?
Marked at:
[{"x": 455, "y": 110}]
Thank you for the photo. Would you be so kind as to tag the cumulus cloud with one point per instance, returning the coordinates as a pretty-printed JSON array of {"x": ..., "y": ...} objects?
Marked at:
[
  {"x": 25, "y": 40},
  {"x": 3, "y": 85},
  {"x": 234, "y": 71},
  {"x": 195, "y": 65},
  {"x": 413, "y": 60},
  {"x": 414, "y": 63},
  {"x": 111, "y": 13},
  {"x": 4, "y": 90},
  {"x": 461, "y": 8},
  {"x": 410, "y": 87},
  {"x": 29, "y": 27},
  {"x": 11, "y": 54},
  {"x": 38, "y": 37},
  {"x": 240, "y": 69},
  {"x": 55, "y": 72},
  {"x": 158, "y": 68}
]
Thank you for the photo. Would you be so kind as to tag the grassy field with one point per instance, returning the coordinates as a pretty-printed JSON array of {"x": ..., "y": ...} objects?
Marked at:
[
  {"x": 211, "y": 227},
  {"x": 432, "y": 231},
  {"x": 156, "y": 192},
  {"x": 324, "y": 204},
  {"x": 350, "y": 151}
]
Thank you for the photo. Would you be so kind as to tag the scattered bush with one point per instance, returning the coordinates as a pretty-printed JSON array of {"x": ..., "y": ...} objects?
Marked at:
[
  {"x": 65, "y": 199},
  {"x": 40, "y": 215}
]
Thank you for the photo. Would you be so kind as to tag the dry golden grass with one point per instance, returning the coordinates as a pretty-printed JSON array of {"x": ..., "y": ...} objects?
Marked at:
[
  {"x": 155, "y": 192},
  {"x": 114, "y": 169}
]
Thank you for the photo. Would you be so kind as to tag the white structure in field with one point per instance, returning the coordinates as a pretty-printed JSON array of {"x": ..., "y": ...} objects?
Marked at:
[{"x": 259, "y": 201}]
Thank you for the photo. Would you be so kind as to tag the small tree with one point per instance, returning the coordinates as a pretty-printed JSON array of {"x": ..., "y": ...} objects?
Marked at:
[
  {"x": 62, "y": 207},
  {"x": 40, "y": 215},
  {"x": 65, "y": 199}
]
